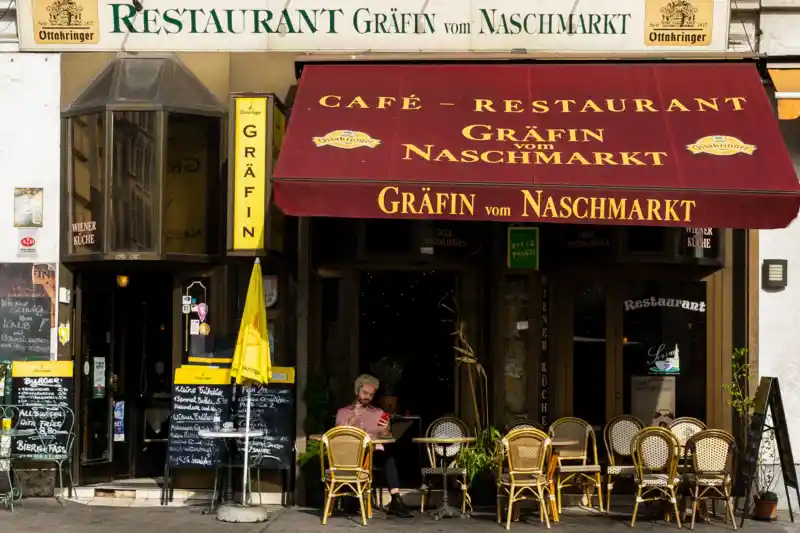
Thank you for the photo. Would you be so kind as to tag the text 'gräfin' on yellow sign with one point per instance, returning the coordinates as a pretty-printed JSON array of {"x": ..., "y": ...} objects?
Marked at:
[{"x": 249, "y": 187}]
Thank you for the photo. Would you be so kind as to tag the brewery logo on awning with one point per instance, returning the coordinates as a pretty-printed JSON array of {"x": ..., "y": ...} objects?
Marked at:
[
  {"x": 346, "y": 139},
  {"x": 720, "y": 145},
  {"x": 646, "y": 303}
]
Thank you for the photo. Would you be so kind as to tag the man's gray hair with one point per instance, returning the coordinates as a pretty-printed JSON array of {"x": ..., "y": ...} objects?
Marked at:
[{"x": 366, "y": 379}]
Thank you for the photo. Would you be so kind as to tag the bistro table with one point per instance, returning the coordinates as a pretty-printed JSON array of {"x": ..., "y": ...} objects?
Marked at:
[
  {"x": 552, "y": 469},
  {"x": 445, "y": 510},
  {"x": 14, "y": 494},
  {"x": 231, "y": 434}
]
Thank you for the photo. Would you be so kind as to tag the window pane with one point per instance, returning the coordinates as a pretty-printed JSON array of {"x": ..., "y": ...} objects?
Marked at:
[
  {"x": 647, "y": 240},
  {"x": 701, "y": 243},
  {"x": 664, "y": 328},
  {"x": 589, "y": 354},
  {"x": 87, "y": 140},
  {"x": 191, "y": 173},
  {"x": 134, "y": 182}
]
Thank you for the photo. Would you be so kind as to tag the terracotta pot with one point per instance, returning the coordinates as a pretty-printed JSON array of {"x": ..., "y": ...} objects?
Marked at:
[
  {"x": 389, "y": 404},
  {"x": 765, "y": 509}
]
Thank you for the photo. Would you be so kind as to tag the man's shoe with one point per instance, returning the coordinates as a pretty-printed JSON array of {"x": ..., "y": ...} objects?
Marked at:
[{"x": 398, "y": 508}]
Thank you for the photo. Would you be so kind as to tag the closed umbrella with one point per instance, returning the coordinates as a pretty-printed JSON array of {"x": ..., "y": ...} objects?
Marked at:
[{"x": 251, "y": 358}]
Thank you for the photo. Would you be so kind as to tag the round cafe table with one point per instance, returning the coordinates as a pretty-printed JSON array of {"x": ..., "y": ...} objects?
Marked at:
[
  {"x": 555, "y": 445},
  {"x": 228, "y": 435},
  {"x": 445, "y": 510}
]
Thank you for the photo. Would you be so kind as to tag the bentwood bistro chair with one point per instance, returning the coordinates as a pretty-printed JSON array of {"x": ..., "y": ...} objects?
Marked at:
[
  {"x": 655, "y": 459},
  {"x": 618, "y": 436},
  {"x": 577, "y": 465},
  {"x": 520, "y": 423},
  {"x": 524, "y": 477},
  {"x": 712, "y": 454},
  {"x": 348, "y": 452},
  {"x": 445, "y": 427},
  {"x": 684, "y": 427}
]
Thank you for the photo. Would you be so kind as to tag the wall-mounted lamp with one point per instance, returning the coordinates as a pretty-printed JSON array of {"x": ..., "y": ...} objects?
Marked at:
[
  {"x": 774, "y": 275},
  {"x": 122, "y": 281}
]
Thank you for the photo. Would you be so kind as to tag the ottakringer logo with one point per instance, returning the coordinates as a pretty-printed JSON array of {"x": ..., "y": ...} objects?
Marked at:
[
  {"x": 346, "y": 139},
  {"x": 720, "y": 145},
  {"x": 66, "y": 22},
  {"x": 678, "y": 22}
]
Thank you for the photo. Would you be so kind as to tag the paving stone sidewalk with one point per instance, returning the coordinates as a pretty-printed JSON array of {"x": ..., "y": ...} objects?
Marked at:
[{"x": 39, "y": 515}]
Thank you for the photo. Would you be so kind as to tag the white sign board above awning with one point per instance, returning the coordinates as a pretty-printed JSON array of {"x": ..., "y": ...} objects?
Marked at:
[{"x": 656, "y": 27}]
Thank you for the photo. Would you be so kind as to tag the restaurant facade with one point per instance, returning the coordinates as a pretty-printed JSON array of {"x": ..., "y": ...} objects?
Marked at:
[{"x": 411, "y": 175}]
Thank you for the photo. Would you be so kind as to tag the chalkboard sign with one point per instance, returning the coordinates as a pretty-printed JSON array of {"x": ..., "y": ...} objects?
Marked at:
[
  {"x": 200, "y": 400},
  {"x": 43, "y": 392},
  {"x": 271, "y": 411},
  {"x": 768, "y": 396},
  {"x": 24, "y": 328}
]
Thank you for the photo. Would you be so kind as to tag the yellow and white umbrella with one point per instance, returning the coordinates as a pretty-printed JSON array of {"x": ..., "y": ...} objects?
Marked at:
[{"x": 251, "y": 359}]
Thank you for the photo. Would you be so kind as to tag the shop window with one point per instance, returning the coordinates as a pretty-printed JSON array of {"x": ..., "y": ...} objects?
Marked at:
[
  {"x": 664, "y": 354},
  {"x": 191, "y": 179},
  {"x": 134, "y": 181},
  {"x": 86, "y": 166},
  {"x": 702, "y": 245},
  {"x": 387, "y": 236},
  {"x": 647, "y": 240},
  {"x": 124, "y": 167},
  {"x": 585, "y": 242},
  {"x": 589, "y": 354}
]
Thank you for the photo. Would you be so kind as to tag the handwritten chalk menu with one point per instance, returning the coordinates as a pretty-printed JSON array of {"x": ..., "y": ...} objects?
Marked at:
[
  {"x": 200, "y": 400},
  {"x": 43, "y": 390},
  {"x": 271, "y": 411},
  {"x": 24, "y": 328}
]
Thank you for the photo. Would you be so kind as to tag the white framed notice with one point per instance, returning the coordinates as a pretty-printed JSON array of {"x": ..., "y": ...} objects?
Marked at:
[{"x": 651, "y": 396}]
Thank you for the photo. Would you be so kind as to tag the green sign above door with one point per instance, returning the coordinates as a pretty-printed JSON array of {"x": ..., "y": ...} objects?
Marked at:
[{"x": 523, "y": 248}]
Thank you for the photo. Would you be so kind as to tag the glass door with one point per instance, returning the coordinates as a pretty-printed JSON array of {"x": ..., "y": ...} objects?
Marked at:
[{"x": 97, "y": 369}]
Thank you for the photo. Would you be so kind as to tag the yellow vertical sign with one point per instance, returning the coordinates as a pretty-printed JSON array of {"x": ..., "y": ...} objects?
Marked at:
[{"x": 250, "y": 172}]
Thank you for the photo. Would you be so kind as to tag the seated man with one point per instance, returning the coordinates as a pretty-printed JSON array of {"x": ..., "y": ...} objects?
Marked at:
[{"x": 362, "y": 414}]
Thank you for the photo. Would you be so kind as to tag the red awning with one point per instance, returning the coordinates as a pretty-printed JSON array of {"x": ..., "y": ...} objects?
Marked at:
[{"x": 666, "y": 144}]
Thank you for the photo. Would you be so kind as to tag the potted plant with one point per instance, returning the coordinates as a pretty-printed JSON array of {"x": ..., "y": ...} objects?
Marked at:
[
  {"x": 389, "y": 371},
  {"x": 480, "y": 461},
  {"x": 765, "y": 502}
]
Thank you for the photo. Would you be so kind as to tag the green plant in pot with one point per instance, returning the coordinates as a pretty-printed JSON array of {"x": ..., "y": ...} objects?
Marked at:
[
  {"x": 480, "y": 461},
  {"x": 388, "y": 371},
  {"x": 765, "y": 500}
]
